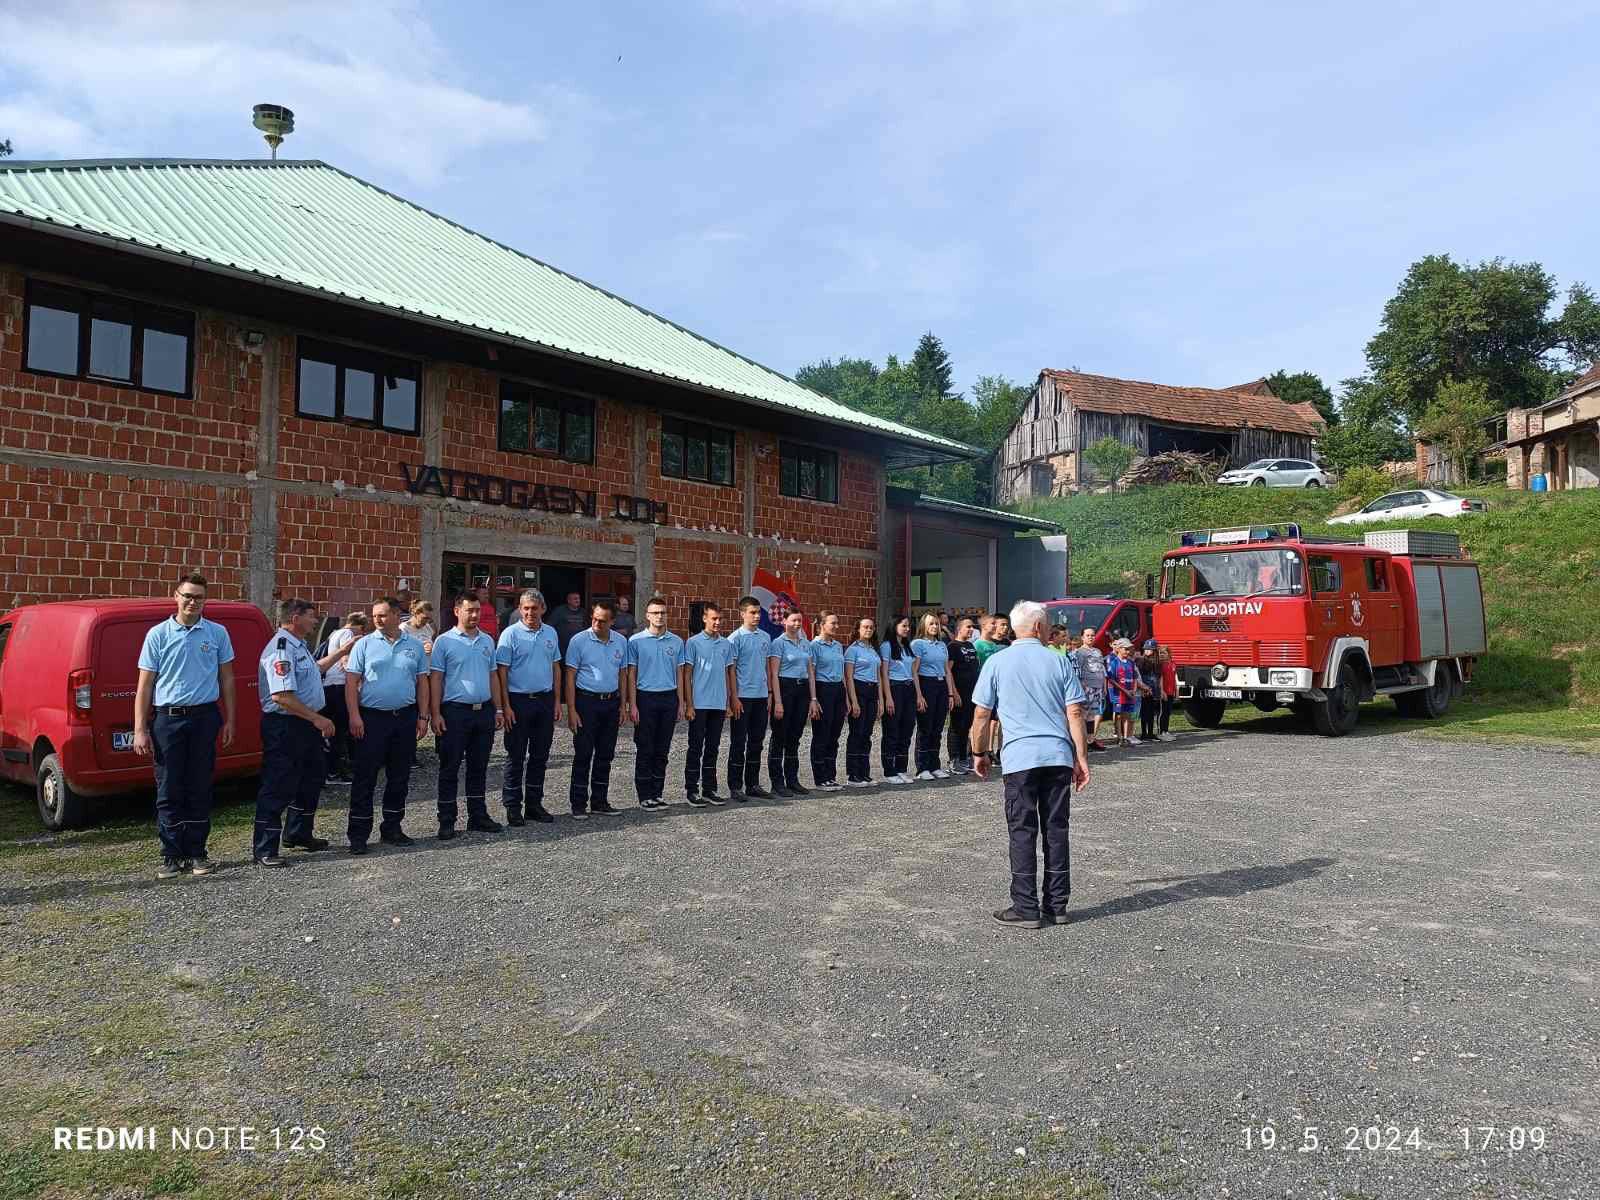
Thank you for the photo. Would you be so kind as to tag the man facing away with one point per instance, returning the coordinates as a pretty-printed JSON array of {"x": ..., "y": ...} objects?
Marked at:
[
  {"x": 1037, "y": 697},
  {"x": 185, "y": 664},
  {"x": 655, "y": 702},
  {"x": 708, "y": 681},
  {"x": 467, "y": 709},
  {"x": 528, "y": 661},
  {"x": 750, "y": 644},
  {"x": 386, "y": 701}
]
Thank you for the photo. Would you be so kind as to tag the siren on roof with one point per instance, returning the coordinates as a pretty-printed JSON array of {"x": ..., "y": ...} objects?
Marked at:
[{"x": 275, "y": 122}]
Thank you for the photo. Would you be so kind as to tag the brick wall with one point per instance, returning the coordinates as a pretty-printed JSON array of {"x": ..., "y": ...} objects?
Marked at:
[
  {"x": 344, "y": 553},
  {"x": 688, "y": 570}
]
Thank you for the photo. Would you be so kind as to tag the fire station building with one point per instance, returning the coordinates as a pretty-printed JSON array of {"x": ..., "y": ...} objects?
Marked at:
[{"x": 303, "y": 385}]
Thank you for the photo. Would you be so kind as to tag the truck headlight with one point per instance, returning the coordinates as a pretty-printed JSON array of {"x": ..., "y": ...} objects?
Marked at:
[
  {"x": 1219, "y": 672},
  {"x": 1282, "y": 678}
]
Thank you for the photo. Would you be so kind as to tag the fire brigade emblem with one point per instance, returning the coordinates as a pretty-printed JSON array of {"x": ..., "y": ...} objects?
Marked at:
[
  {"x": 1355, "y": 612},
  {"x": 280, "y": 668}
]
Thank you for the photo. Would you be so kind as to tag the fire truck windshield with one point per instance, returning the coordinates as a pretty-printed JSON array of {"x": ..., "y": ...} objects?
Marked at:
[{"x": 1233, "y": 573}]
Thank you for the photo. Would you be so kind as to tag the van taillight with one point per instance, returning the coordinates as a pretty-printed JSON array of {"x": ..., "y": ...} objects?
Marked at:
[{"x": 80, "y": 692}]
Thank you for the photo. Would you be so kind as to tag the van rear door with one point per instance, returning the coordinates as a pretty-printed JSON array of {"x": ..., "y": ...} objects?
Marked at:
[
  {"x": 114, "y": 659},
  {"x": 248, "y": 632}
]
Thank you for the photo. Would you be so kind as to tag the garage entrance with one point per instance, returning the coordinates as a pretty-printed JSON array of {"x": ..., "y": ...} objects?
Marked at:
[{"x": 508, "y": 578}]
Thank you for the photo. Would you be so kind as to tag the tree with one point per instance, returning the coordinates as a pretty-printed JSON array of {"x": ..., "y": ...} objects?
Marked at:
[
  {"x": 849, "y": 381},
  {"x": 5, "y": 148},
  {"x": 1367, "y": 434},
  {"x": 1455, "y": 421},
  {"x": 1494, "y": 322},
  {"x": 931, "y": 365},
  {"x": 1110, "y": 458},
  {"x": 1304, "y": 388}
]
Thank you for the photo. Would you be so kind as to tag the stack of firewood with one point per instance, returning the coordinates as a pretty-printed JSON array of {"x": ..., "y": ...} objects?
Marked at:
[{"x": 1174, "y": 466}]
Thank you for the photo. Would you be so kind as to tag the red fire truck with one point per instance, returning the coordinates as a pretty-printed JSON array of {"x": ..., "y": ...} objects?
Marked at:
[{"x": 1267, "y": 616}]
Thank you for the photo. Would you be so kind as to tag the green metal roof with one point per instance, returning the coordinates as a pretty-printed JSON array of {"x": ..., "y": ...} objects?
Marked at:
[
  {"x": 1019, "y": 520},
  {"x": 306, "y": 225}
]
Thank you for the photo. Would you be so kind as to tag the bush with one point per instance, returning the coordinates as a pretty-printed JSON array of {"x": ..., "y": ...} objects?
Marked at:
[{"x": 1364, "y": 484}]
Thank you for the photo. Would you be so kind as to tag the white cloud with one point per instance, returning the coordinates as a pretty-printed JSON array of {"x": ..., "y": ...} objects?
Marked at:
[{"x": 366, "y": 79}]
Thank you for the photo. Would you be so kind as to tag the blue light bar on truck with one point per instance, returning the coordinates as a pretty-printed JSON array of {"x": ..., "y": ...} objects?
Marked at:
[{"x": 1239, "y": 535}]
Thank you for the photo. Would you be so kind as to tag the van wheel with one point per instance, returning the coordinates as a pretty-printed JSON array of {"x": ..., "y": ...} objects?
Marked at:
[
  {"x": 1205, "y": 713},
  {"x": 1430, "y": 703},
  {"x": 1337, "y": 715},
  {"x": 59, "y": 806}
]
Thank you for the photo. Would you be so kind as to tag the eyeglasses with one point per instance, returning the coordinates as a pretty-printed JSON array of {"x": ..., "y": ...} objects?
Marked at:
[{"x": 193, "y": 597}]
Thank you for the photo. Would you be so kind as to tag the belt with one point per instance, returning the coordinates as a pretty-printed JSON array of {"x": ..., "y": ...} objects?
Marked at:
[
  {"x": 388, "y": 711},
  {"x": 185, "y": 710},
  {"x": 596, "y": 695},
  {"x": 463, "y": 704},
  {"x": 657, "y": 692},
  {"x": 530, "y": 695}
]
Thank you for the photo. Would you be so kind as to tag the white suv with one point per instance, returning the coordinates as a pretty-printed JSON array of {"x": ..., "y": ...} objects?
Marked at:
[{"x": 1277, "y": 472}]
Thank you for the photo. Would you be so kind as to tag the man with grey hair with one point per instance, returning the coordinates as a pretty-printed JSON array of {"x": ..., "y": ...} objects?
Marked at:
[
  {"x": 1035, "y": 694},
  {"x": 528, "y": 659}
]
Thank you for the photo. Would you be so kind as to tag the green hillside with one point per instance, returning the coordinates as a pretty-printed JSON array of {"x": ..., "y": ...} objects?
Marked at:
[{"x": 1540, "y": 555}]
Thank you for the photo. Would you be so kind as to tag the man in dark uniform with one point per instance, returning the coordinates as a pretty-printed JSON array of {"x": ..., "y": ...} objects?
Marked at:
[
  {"x": 293, "y": 732},
  {"x": 186, "y": 662},
  {"x": 385, "y": 697},
  {"x": 595, "y": 660},
  {"x": 528, "y": 661},
  {"x": 467, "y": 709}
]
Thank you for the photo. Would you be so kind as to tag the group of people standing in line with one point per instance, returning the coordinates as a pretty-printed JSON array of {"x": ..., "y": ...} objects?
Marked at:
[{"x": 1122, "y": 684}]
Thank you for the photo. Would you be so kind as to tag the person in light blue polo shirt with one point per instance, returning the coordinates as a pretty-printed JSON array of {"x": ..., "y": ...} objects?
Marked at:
[
  {"x": 863, "y": 674},
  {"x": 293, "y": 732},
  {"x": 827, "y": 668},
  {"x": 467, "y": 709},
  {"x": 386, "y": 701},
  {"x": 1035, "y": 694},
  {"x": 710, "y": 680},
  {"x": 595, "y": 660},
  {"x": 655, "y": 702},
  {"x": 900, "y": 701},
  {"x": 750, "y": 644},
  {"x": 528, "y": 662},
  {"x": 936, "y": 696},
  {"x": 793, "y": 700},
  {"x": 185, "y": 663}
]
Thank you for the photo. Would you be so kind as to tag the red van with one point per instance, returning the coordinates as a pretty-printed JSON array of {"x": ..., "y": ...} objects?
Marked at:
[
  {"x": 1109, "y": 616},
  {"x": 68, "y": 674}
]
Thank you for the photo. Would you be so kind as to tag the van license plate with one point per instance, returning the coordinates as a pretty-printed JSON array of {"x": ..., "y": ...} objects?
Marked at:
[
  {"x": 1225, "y": 693},
  {"x": 122, "y": 739}
]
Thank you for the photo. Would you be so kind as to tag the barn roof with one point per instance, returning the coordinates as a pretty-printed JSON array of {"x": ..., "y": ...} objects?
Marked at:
[{"x": 1216, "y": 408}]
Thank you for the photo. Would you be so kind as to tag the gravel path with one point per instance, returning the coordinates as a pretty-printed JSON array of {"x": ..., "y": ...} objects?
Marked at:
[{"x": 808, "y": 997}]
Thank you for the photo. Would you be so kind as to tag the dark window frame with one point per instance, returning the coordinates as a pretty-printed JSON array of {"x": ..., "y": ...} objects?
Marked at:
[
  {"x": 919, "y": 585},
  {"x": 144, "y": 316},
  {"x": 700, "y": 431},
  {"x": 565, "y": 404},
  {"x": 1325, "y": 574},
  {"x": 344, "y": 358},
  {"x": 820, "y": 457},
  {"x": 1377, "y": 574}
]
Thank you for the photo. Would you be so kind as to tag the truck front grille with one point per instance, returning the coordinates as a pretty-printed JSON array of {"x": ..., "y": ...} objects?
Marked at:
[{"x": 1237, "y": 652}]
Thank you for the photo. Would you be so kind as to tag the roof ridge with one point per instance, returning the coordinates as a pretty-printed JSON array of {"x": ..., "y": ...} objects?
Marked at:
[
  {"x": 1235, "y": 390},
  {"x": 78, "y": 164}
]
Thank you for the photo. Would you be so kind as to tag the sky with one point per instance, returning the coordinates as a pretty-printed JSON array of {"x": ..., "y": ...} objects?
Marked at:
[{"x": 1183, "y": 193}]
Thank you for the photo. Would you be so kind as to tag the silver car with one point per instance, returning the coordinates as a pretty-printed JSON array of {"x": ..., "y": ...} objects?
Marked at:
[
  {"x": 1276, "y": 472},
  {"x": 1416, "y": 502}
]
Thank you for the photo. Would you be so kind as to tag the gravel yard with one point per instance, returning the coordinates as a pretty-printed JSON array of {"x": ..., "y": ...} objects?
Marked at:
[{"x": 808, "y": 997}]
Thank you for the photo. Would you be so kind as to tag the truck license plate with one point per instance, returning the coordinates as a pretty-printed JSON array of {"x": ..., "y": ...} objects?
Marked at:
[
  {"x": 122, "y": 739},
  {"x": 1225, "y": 693}
]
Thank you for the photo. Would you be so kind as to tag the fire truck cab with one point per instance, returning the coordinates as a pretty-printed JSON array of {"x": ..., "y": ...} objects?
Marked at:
[{"x": 1266, "y": 616}]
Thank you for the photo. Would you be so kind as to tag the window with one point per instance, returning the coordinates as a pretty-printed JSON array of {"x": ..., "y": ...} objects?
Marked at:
[
  {"x": 89, "y": 336},
  {"x": 1127, "y": 623},
  {"x": 535, "y": 420},
  {"x": 808, "y": 473},
  {"x": 1377, "y": 575},
  {"x": 1325, "y": 575},
  {"x": 692, "y": 451},
  {"x": 927, "y": 587},
  {"x": 342, "y": 383}
]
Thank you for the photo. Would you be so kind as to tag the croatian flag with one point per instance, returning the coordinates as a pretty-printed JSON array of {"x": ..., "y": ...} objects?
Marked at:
[{"x": 778, "y": 597}]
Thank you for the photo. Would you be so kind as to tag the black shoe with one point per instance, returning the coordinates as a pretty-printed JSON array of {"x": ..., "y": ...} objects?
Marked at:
[
  {"x": 1011, "y": 918},
  {"x": 397, "y": 838},
  {"x": 710, "y": 793},
  {"x": 201, "y": 866},
  {"x": 1057, "y": 916},
  {"x": 358, "y": 848},
  {"x": 604, "y": 809},
  {"x": 538, "y": 813},
  {"x": 736, "y": 794},
  {"x": 171, "y": 868},
  {"x": 757, "y": 793},
  {"x": 779, "y": 791},
  {"x": 796, "y": 789},
  {"x": 271, "y": 860},
  {"x": 514, "y": 818},
  {"x": 484, "y": 824},
  {"x": 579, "y": 814},
  {"x": 654, "y": 804},
  {"x": 446, "y": 832},
  {"x": 697, "y": 802},
  {"x": 310, "y": 843},
  {"x": 713, "y": 798}
]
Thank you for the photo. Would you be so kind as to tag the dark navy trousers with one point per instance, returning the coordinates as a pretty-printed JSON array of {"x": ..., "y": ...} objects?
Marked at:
[
  {"x": 593, "y": 748},
  {"x": 825, "y": 731},
  {"x": 744, "y": 744},
  {"x": 468, "y": 737},
  {"x": 186, "y": 758},
  {"x": 294, "y": 759},
  {"x": 858, "y": 749},
  {"x": 959, "y": 742},
  {"x": 391, "y": 738},
  {"x": 1038, "y": 801},
  {"x": 528, "y": 750},
  {"x": 705, "y": 737},
  {"x": 783, "y": 755},
  {"x": 652, "y": 742},
  {"x": 930, "y": 722},
  {"x": 897, "y": 727}
]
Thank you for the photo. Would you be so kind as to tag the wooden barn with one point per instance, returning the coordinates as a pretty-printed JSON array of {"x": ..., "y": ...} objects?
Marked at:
[{"x": 1042, "y": 454}]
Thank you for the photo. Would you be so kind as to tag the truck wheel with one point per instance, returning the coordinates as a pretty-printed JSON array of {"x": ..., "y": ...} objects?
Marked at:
[
  {"x": 1430, "y": 703},
  {"x": 59, "y": 806},
  {"x": 1337, "y": 715},
  {"x": 1205, "y": 713}
]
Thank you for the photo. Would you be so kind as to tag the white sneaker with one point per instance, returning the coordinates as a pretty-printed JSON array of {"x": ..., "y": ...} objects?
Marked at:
[
  {"x": 941, "y": 773},
  {"x": 1167, "y": 737},
  {"x": 830, "y": 787},
  {"x": 1133, "y": 741},
  {"x": 923, "y": 777}
]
